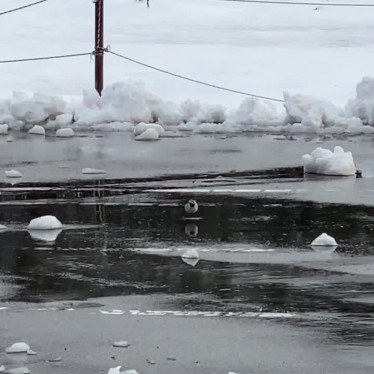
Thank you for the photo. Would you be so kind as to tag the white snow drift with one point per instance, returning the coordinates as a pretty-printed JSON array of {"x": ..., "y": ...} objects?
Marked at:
[
  {"x": 324, "y": 240},
  {"x": 45, "y": 223},
  {"x": 323, "y": 161}
]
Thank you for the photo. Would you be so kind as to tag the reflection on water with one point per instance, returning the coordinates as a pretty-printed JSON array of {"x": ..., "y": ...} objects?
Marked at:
[{"x": 123, "y": 253}]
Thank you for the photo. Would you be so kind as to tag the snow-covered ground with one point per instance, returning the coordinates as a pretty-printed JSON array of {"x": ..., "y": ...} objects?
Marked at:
[{"x": 265, "y": 49}]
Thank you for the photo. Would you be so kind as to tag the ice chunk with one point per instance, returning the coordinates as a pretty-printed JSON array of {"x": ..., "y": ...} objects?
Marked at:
[
  {"x": 37, "y": 130},
  {"x": 324, "y": 240},
  {"x": 19, "y": 347},
  {"x": 2, "y": 368},
  {"x": 323, "y": 161},
  {"x": 48, "y": 236},
  {"x": 44, "y": 223},
  {"x": 148, "y": 135},
  {"x": 13, "y": 174},
  {"x": 4, "y": 129},
  {"x": 31, "y": 353},
  {"x": 116, "y": 370},
  {"x": 19, "y": 370},
  {"x": 65, "y": 133},
  {"x": 132, "y": 371},
  {"x": 141, "y": 127},
  {"x": 121, "y": 344},
  {"x": 93, "y": 171},
  {"x": 2, "y": 227},
  {"x": 191, "y": 253}
]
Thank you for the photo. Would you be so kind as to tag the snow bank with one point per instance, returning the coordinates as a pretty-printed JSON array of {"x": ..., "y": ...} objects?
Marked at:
[
  {"x": 45, "y": 223},
  {"x": 130, "y": 106},
  {"x": 323, "y": 161},
  {"x": 324, "y": 240}
]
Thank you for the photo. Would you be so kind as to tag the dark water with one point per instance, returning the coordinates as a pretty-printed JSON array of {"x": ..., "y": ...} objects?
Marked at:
[{"x": 255, "y": 255}]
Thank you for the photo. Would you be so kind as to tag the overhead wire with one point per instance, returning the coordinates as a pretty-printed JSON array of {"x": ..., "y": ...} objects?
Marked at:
[
  {"x": 22, "y": 7},
  {"x": 55, "y": 57}
]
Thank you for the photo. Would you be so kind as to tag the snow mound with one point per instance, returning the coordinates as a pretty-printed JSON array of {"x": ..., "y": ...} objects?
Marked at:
[
  {"x": 191, "y": 253},
  {"x": 121, "y": 344},
  {"x": 37, "y": 130},
  {"x": 325, "y": 241},
  {"x": 20, "y": 347},
  {"x": 93, "y": 171},
  {"x": 149, "y": 134},
  {"x": 323, "y": 161},
  {"x": 45, "y": 223},
  {"x": 4, "y": 129},
  {"x": 13, "y": 174},
  {"x": 65, "y": 133}
]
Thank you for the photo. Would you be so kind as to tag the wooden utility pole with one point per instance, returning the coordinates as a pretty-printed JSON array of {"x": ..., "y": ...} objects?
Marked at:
[{"x": 99, "y": 45}]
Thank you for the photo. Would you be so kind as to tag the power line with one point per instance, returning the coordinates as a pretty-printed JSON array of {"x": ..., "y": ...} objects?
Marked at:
[
  {"x": 302, "y": 3},
  {"x": 45, "y": 58},
  {"x": 22, "y": 7},
  {"x": 193, "y": 80}
]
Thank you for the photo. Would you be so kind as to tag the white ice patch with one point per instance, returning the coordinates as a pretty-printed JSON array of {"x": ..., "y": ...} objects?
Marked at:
[
  {"x": 324, "y": 240},
  {"x": 323, "y": 161},
  {"x": 37, "y": 130},
  {"x": 2, "y": 228},
  {"x": 4, "y": 129},
  {"x": 65, "y": 133},
  {"x": 191, "y": 253},
  {"x": 93, "y": 171},
  {"x": 114, "y": 312},
  {"x": 116, "y": 370},
  {"x": 45, "y": 223},
  {"x": 121, "y": 344},
  {"x": 149, "y": 134},
  {"x": 13, "y": 174},
  {"x": 19, "y": 370},
  {"x": 19, "y": 347}
]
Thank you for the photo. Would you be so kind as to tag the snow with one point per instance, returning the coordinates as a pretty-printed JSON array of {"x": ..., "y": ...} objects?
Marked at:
[
  {"x": 44, "y": 223},
  {"x": 19, "y": 347},
  {"x": 37, "y": 130},
  {"x": 191, "y": 253},
  {"x": 4, "y": 129},
  {"x": 13, "y": 174},
  {"x": 325, "y": 162},
  {"x": 93, "y": 171},
  {"x": 65, "y": 133},
  {"x": 149, "y": 134},
  {"x": 121, "y": 344},
  {"x": 315, "y": 55},
  {"x": 324, "y": 240}
]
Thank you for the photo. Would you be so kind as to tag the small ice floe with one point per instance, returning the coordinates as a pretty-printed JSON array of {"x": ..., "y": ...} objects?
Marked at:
[
  {"x": 93, "y": 171},
  {"x": 191, "y": 230},
  {"x": 232, "y": 372},
  {"x": 114, "y": 312},
  {"x": 116, "y": 370},
  {"x": 48, "y": 236},
  {"x": 65, "y": 133},
  {"x": 2, "y": 228},
  {"x": 19, "y": 347},
  {"x": 190, "y": 261},
  {"x": 191, "y": 207},
  {"x": 56, "y": 359},
  {"x": 19, "y": 370},
  {"x": 131, "y": 371},
  {"x": 324, "y": 240},
  {"x": 4, "y": 129},
  {"x": 2, "y": 369},
  {"x": 148, "y": 135},
  {"x": 31, "y": 353},
  {"x": 13, "y": 174},
  {"x": 142, "y": 127},
  {"x": 323, "y": 161},
  {"x": 45, "y": 223},
  {"x": 150, "y": 362},
  {"x": 37, "y": 130},
  {"x": 190, "y": 253},
  {"x": 121, "y": 344}
]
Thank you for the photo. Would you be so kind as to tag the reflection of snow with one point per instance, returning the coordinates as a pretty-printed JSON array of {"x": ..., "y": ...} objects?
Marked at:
[
  {"x": 324, "y": 249},
  {"x": 191, "y": 230},
  {"x": 325, "y": 241},
  {"x": 190, "y": 261},
  {"x": 48, "y": 236}
]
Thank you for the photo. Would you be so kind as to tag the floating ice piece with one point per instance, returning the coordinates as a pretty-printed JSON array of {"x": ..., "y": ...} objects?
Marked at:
[
  {"x": 65, "y": 133},
  {"x": 48, "y": 236},
  {"x": 56, "y": 359},
  {"x": 45, "y": 223},
  {"x": 323, "y": 161},
  {"x": 148, "y": 135},
  {"x": 116, "y": 370},
  {"x": 324, "y": 240},
  {"x": 93, "y": 171},
  {"x": 132, "y": 371},
  {"x": 232, "y": 372},
  {"x": 191, "y": 207},
  {"x": 13, "y": 174},
  {"x": 141, "y": 127},
  {"x": 4, "y": 129},
  {"x": 19, "y": 370},
  {"x": 19, "y": 347},
  {"x": 2, "y": 369},
  {"x": 31, "y": 353},
  {"x": 121, "y": 344},
  {"x": 115, "y": 312},
  {"x": 190, "y": 261},
  {"x": 2, "y": 228},
  {"x": 37, "y": 130},
  {"x": 191, "y": 253}
]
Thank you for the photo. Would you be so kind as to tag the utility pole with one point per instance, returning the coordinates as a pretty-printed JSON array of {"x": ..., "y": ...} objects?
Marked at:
[{"x": 99, "y": 45}]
